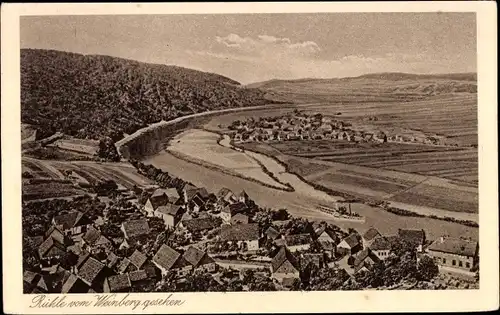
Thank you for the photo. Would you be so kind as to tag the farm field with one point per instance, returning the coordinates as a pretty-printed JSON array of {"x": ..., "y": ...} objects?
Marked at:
[
  {"x": 89, "y": 147},
  {"x": 454, "y": 163},
  {"x": 48, "y": 189},
  {"x": 122, "y": 173}
]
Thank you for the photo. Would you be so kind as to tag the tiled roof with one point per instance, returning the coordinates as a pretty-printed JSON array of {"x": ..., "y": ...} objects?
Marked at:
[
  {"x": 138, "y": 275},
  {"x": 69, "y": 220},
  {"x": 166, "y": 257},
  {"x": 454, "y": 246},
  {"x": 30, "y": 277},
  {"x": 160, "y": 192},
  {"x": 381, "y": 243},
  {"x": 172, "y": 194},
  {"x": 199, "y": 224},
  {"x": 272, "y": 233},
  {"x": 136, "y": 228},
  {"x": 282, "y": 256},
  {"x": 235, "y": 208},
  {"x": 92, "y": 235},
  {"x": 225, "y": 194},
  {"x": 90, "y": 270},
  {"x": 50, "y": 247},
  {"x": 118, "y": 282},
  {"x": 240, "y": 232},
  {"x": 412, "y": 236},
  {"x": 194, "y": 256},
  {"x": 137, "y": 259},
  {"x": 123, "y": 265},
  {"x": 363, "y": 255},
  {"x": 352, "y": 240},
  {"x": 169, "y": 209},
  {"x": 57, "y": 235},
  {"x": 298, "y": 239},
  {"x": 371, "y": 234}
]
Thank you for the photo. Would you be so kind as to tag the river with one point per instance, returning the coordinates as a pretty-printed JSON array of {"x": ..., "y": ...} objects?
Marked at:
[{"x": 303, "y": 201}]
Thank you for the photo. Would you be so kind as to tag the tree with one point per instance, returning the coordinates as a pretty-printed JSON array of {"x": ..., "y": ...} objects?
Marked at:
[
  {"x": 427, "y": 268},
  {"x": 107, "y": 150},
  {"x": 110, "y": 230},
  {"x": 68, "y": 260}
]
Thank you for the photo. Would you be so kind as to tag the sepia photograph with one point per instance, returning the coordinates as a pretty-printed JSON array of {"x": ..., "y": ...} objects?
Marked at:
[{"x": 248, "y": 152}]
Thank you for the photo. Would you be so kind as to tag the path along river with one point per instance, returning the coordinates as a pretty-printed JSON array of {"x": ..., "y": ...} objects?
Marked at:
[{"x": 304, "y": 200}]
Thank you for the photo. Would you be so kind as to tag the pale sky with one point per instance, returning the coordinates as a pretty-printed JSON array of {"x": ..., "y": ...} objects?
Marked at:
[{"x": 258, "y": 47}]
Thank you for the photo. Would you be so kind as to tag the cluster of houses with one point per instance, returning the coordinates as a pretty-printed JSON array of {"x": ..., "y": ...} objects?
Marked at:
[
  {"x": 300, "y": 126},
  {"x": 77, "y": 256}
]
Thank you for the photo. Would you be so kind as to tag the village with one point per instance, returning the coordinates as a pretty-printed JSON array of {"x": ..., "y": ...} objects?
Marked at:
[
  {"x": 175, "y": 236},
  {"x": 298, "y": 125}
]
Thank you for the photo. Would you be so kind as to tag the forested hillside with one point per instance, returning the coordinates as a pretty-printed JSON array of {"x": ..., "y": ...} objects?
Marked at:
[{"x": 94, "y": 96}]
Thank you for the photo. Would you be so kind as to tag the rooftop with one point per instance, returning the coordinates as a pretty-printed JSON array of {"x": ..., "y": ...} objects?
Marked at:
[
  {"x": 136, "y": 228},
  {"x": 282, "y": 256},
  {"x": 455, "y": 246},
  {"x": 166, "y": 257},
  {"x": 170, "y": 209},
  {"x": 137, "y": 259},
  {"x": 199, "y": 224},
  {"x": 240, "y": 232},
  {"x": 370, "y": 234},
  {"x": 90, "y": 270},
  {"x": 298, "y": 239},
  {"x": 118, "y": 282}
]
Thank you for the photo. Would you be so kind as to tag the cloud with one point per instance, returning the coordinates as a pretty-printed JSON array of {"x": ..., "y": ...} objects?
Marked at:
[
  {"x": 265, "y": 57},
  {"x": 268, "y": 45}
]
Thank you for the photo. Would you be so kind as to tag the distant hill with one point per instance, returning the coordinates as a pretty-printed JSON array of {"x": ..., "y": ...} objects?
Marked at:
[
  {"x": 390, "y": 86},
  {"x": 89, "y": 96}
]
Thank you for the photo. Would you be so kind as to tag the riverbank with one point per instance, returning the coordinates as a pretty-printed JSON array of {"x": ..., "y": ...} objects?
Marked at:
[{"x": 134, "y": 145}]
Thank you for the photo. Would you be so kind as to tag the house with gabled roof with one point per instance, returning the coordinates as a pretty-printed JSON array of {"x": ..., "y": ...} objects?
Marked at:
[
  {"x": 58, "y": 235},
  {"x": 158, "y": 198},
  {"x": 272, "y": 233},
  {"x": 72, "y": 223},
  {"x": 225, "y": 196},
  {"x": 365, "y": 260},
  {"x": 200, "y": 224},
  {"x": 92, "y": 273},
  {"x": 93, "y": 241},
  {"x": 170, "y": 213},
  {"x": 138, "y": 259},
  {"x": 168, "y": 259},
  {"x": 199, "y": 259},
  {"x": 285, "y": 266},
  {"x": 242, "y": 196},
  {"x": 369, "y": 236},
  {"x": 381, "y": 246},
  {"x": 351, "y": 244},
  {"x": 135, "y": 228},
  {"x": 117, "y": 283},
  {"x": 50, "y": 251},
  {"x": 454, "y": 253},
  {"x": 232, "y": 209},
  {"x": 245, "y": 235}
]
